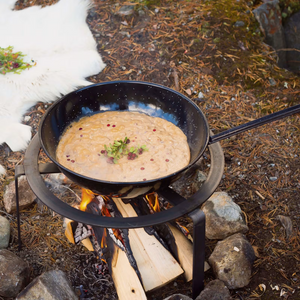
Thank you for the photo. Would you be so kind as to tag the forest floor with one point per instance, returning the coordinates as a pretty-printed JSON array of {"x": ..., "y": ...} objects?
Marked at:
[{"x": 196, "y": 48}]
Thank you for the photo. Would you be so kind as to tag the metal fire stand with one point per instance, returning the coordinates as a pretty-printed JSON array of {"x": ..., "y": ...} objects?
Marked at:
[{"x": 181, "y": 206}]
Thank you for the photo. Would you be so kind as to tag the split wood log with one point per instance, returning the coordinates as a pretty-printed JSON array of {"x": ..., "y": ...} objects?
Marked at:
[
  {"x": 127, "y": 283},
  {"x": 155, "y": 263},
  {"x": 185, "y": 253}
]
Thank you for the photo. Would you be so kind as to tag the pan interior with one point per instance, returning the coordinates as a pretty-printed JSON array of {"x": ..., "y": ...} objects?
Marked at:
[{"x": 151, "y": 99}]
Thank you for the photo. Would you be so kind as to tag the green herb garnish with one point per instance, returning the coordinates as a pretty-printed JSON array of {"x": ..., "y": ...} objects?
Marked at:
[
  {"x": 12, "y": 62},
  {"x": 120, "y": 149}
]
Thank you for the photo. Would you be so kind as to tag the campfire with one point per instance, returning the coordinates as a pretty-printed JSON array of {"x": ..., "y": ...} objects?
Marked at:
[{"x": 139, "y": 260}]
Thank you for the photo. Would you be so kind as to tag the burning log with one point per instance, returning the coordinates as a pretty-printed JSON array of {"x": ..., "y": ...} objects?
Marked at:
[
  {"x": 156, "y": 264},
  {"x": 122, "y": 265},
  {"x": 177, "y": 237},
  {"x": 77, "y": 232}
]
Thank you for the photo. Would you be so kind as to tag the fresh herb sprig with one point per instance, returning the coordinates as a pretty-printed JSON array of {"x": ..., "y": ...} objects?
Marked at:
[
  {"x": 12, "y": 62},
  {"x": 119, "y": 149}
]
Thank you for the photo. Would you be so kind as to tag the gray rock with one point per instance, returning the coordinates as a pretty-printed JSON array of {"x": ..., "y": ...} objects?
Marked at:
[
  {"x": 178, "y": 297},
  {"x": 126, "y": 10},
  {"x": 26, "y": 196},
  {"x": 215, "y": 290},
  {"x": 14, "y": 274},
  {"x": 141, "y": 12},
  {"x": 269, "y": 18},
  {"x": 239, "y": 24},
  {"x": 272, "y": 81},
  {"x": 292, "y": 38},
  {"x": 51, "y": 285},
  {"x": 4, "y": 232},
  {"x": 232, "y": 261},
  {"x": 223, "y": 217}
]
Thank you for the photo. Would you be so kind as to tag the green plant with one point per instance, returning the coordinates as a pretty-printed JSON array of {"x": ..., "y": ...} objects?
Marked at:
[{"x": 12, "y": 62}]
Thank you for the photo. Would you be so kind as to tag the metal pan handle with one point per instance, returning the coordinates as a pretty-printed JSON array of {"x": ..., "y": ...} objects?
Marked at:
[{"x": 256, "y": 123}]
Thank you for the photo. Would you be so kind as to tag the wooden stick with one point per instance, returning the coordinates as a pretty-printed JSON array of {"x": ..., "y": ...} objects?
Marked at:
[
  {"x": 155, "y": 263},
  {"x": 126, "y": 281}
]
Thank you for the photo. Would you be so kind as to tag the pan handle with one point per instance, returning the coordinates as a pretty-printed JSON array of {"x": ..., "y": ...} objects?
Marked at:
[{"x": 261, "y": 121}]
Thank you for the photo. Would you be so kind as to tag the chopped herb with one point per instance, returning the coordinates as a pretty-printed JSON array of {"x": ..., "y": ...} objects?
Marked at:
[
  {"x": 119, "y": 149},
  {"x": 12, "y": 62}
]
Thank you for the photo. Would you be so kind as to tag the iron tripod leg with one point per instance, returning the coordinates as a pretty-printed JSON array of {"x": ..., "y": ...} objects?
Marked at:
[
  {"x": 198, "y": 218},
  {"x": 19, "y": 171}
]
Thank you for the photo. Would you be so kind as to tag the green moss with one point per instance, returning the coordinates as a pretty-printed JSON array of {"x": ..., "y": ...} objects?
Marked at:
[
  {"x": 148, "y": 3},
  {"x": 288, "y": 8}
]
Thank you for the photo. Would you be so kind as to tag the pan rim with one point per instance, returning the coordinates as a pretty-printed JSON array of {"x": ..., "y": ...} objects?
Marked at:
[{"x": 124, "y": 183}]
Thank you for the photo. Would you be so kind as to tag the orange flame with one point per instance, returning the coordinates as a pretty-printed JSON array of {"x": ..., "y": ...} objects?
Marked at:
[
  {"x": 153, "y": 201},
  {"x": 103, "y": 240},
  {"x": 86, "y": 197}
]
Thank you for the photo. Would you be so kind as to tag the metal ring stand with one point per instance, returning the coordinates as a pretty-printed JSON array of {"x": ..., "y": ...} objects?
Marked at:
[{"x": 181, "y": 206}]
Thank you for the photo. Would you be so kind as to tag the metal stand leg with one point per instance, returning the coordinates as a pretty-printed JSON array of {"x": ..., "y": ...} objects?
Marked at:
[
  {"x": 198, "y": 218},
  {"x": 19, "y": 171}
]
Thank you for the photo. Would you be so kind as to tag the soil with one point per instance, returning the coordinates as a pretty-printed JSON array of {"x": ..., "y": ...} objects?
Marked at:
[{"x": 198, "y": 48}]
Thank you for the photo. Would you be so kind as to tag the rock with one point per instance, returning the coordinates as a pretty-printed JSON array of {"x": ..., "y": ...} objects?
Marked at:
[
  {"x": 215, "y": 290},
  {"x": 292, "y": 38},
  {"x": 287, "y": 224},
  {"x": 223, "y": 217},
  {"x": 178, "y": 297},
  {"x": 14, "y": 274},
  {"x": 239, "y": 24},
  {"x": 26, "y": 196},
  {"x": 232, "y": 261},
  {"x": 272, "y": 81},
  {"x": 269, "y": 18},
  {"x": 126, "y": 10},
  {"x": 4, "y": 232},
  {"x": 200, "y": 95},
  {"x": 51, "y": 285},
  {"x": 141, "y": 13}
]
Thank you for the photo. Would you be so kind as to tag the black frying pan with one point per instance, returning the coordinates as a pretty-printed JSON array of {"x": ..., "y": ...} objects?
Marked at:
[{"x": 152, "y": 99}]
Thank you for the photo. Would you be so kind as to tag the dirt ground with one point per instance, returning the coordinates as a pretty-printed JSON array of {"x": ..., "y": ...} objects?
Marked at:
[{"x": 198, "y": 48}]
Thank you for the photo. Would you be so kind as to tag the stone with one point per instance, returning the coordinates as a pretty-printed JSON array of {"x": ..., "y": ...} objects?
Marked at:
[
  {"x": 239, "y": 24},
  {"x": 215, "y": 290},
  {"x": 26, "y": 196},
  {"x": 178, "y": 297},
  {"x": 292, "y": 38},
  {"x": 14, "y": 274},
  {"x": 126, "y": 10},
  {"x": 232, "y": 261},
  {"x": 4, "y": 232},
  {"x": 223, "y": 217},
  {"x": 269, "y": 18},
  {"x": 51, "y": 285}
]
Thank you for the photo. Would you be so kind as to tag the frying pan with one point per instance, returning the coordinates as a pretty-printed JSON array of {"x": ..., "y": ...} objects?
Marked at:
[{"x": 149, "y": 98}]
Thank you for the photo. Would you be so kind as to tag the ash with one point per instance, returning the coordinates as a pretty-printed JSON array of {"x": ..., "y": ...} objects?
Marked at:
[{"x": 91, "y": 278}]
